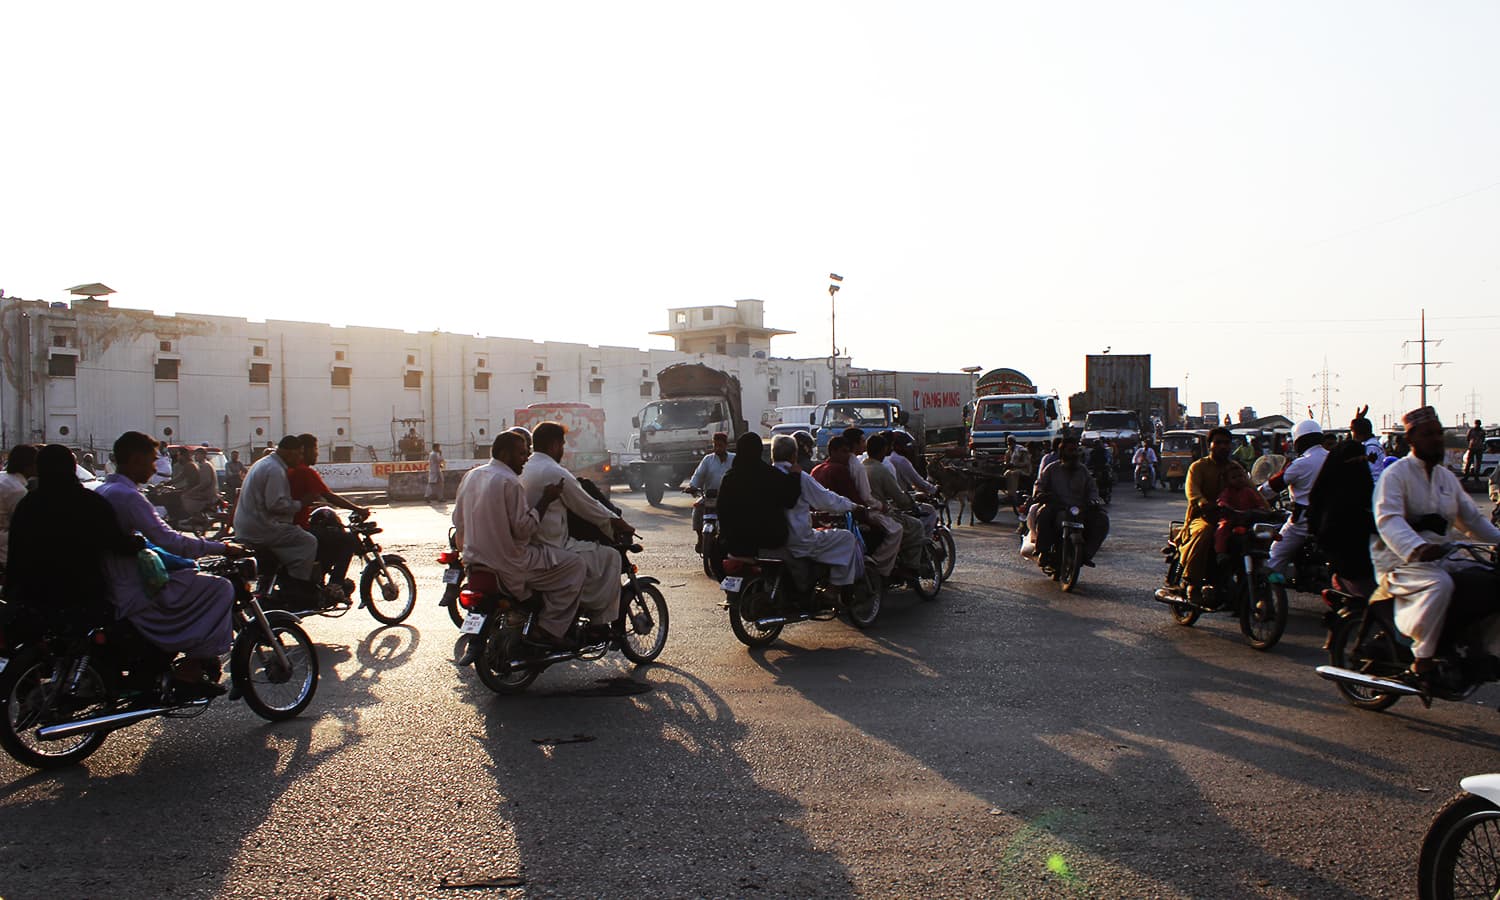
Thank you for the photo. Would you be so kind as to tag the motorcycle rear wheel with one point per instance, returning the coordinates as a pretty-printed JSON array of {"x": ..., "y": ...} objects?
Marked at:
[
  {"x": 501, "y": 644},
  {"x": 24, "y": 691},
  {"x": 272, "y": 691},
  {"x": 1341, "y": 652},
  {"x": 648, "y": 607},
  {"x": 865, "y": 608},
  {"x": 754, "y": 601},
  {"x": 1263, "y": 612},
  {"x": 1461, "y": 853}
]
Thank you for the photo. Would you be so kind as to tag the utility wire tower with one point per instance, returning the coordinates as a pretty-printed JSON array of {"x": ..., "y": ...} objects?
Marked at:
[
  {"x": 1473, "y": 404},
  {"x": 1423, "y": 362},
  {"x": 1289, "y": 400},
  {"x": 1324, "y": 390}
]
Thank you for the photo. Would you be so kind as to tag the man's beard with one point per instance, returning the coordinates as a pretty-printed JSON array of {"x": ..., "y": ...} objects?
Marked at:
[{"x": 1430, "y": 459}]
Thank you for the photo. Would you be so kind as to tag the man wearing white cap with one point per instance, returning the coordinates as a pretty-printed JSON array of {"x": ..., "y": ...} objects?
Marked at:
[
  {"x": 1297, "y": 478},
  {"x": 1417, "y": 500}
]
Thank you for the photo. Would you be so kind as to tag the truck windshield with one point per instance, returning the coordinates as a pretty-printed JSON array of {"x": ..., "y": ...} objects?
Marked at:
[
  {"x": 676, "y": 415},
  {"x": 1008, "y": 414},
  {"x": 1114, "y": 421},
  {"x": 856, "y": 416}
]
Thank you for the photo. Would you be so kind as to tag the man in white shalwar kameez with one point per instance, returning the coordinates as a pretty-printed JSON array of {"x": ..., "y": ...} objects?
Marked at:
[
  {"x": 600, "y": 599},
  {"x": 1413, "y": 497},
  {"x": 838, "y": 549},
  {"x": 884, "y": 556}
]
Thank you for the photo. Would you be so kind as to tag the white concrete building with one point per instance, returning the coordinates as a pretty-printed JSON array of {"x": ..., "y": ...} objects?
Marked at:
[{"x": 83, "y": 373}]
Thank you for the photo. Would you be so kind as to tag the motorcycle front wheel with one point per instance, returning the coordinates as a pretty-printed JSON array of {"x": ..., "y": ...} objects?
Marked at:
[
  {"x": 864, "y": 608},
  {"x": 272, "y": 689},
  {"x": 645, "y": 624},
  {"x": 1263, "y": 612},
  {"x": 754, "y": 602},
  {"x": 949, "y": 551},
  {"x": 502, "y": 643},
  {"x": 389, "y": 591},
  {"x": 1069, "y": 561},
  {"x": 1461, "y": 852},
  {"x": 927, "y": 580},
  {"x": 30, "y": 697}
]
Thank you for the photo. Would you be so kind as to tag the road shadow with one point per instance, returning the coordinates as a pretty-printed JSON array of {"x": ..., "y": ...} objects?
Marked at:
[
  {"x": 578, "y": 771},
  {"x": 1096, "y": 745}
]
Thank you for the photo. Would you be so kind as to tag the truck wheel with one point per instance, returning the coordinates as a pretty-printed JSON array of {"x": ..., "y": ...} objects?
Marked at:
[
  {"x": 654, "y": 491},
  {"x": 635, "y": 482},
  {"x": 986, "y": 505}
]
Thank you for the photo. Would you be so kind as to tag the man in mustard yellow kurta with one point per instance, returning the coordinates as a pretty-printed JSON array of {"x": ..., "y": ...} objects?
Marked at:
[{"x": 1205, "y": 481}]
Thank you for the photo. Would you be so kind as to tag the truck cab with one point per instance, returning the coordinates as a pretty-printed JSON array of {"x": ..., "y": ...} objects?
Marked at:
[
  {"x": 1120, "y": 428},
  {"x": 1025, "y": 417},
  {"x": 871, "y": 415}
]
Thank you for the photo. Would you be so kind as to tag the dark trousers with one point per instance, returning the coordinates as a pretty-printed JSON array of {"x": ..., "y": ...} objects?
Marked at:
[
  {"x": 1049, "y": 527},
  {"x": 335, "y": 551}
]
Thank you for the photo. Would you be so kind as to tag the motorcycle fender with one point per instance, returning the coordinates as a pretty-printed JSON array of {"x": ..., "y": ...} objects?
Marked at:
[
  {"x": 647, "y": 579},
  {"x": 1486, "y": 786},
  {"x": 393, "y": 558},
  {"x": 281, "y": 615}
]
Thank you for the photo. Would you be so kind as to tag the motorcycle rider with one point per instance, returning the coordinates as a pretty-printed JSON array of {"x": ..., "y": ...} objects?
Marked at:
[
  {"x": 837, "y": 548},
  {"x": 1245, "y": 454},
  {"x": 1099, "y": 463},
  {"x": 1205, "y": 481},
  {"x": 336, "y": 546},
  {"x": 203, "y": 493},
  {"x": 1360, "y": 429},
  {"x": 264, "y": 519},
  {"x": 754, "y": 498},
  {"x": 495, "y": 527},
  {"x": 896, "y": 503},
  {"x": 706, "y": 478},
  {"x": 600, "y": 599},
  {"x": 1064, "y": 485},
  {"x": 806, "y": 445},
  {"x": 20, "y": 468},
  {"x": 899, "y": 461},
  {"x": 190, "y": 613},
  {"x": 883, "y": 555},
  {"x": 1297, "y": 478},
  {"x": 1416, "y": 501},
  {"x": 1144, "y": 456}
]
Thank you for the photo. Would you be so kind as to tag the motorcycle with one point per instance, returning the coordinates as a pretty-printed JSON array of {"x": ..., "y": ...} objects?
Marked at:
[
  {"x": 453, "y": 578},
  {"x": 1368, "y": 656},
  {"x": 387, "y": 587},
  {"x": 944, "y": 550},
  {"x": 765, "y": 594},
  {"x": 1143, "y": 480},
  {"x": 1460, "y": 854},
  {"x": 708, "y": 536},
  {"x": 213, "y": 523},
  {"x": 1063, "y": 562},
  {"x": 496, "y": 625},
  {"x": 65, "y": 687},
  {"x": 1240, "y": 585}
]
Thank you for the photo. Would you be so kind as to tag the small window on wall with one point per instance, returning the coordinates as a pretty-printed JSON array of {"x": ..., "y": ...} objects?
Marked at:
[
  {"x": 539, "y": 384},
  {"x": 342, "y": 455},
  {"x": 771, "y": 395},
  {"x": 708, "y": 314},
  {"x": 260, "y": 373},
  {"x": 341, "y": 376},
  {"x": 257, "y": 349},
  {"x": 481, "y": 381},
  {"x": 646, "y": 388},
  {"x": 166, "y": 369},
  {"x": 412, "y": 379},
  {"x": 596, "y": 386},
  {"x": 338, "y": 355},
  {"x": 64, "y": 365}
]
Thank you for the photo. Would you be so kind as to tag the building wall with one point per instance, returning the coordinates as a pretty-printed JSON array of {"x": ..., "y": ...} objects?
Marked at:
[{"x": 395, "y": 380}]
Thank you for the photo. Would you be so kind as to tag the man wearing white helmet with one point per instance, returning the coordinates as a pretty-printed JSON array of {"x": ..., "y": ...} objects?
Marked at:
[{"x": 1298, "y": 478}]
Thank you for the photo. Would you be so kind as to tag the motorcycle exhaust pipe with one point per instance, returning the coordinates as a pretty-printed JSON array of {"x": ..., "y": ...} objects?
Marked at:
[
  {"x": 1163, "y": 595},
  {"x": 1375, "y": 682},
  {"x": 110, "y": 722},
  {"x": 533, "y": 662}
]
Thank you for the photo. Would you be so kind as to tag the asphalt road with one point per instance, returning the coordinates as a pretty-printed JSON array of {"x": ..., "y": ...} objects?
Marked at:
[{"x": 1004, "y": 740}]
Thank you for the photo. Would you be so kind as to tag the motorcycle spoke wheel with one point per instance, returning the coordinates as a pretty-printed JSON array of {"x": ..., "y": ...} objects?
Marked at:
[
  {"x": 31, "y": 698},
  {"x": 949, "y": 550},
  {"x": 645, "y": 624},
  {"x": 390, "y": 594},
  {"x": 1460, "y": 855},
  {"x": 1068, "y": 564},
  {"x": 502, "y": 643},
  {"x": 1370, "y": 656},
  {"x": 754, "y": 602},
  {"x": 1185, "y": 614},
  {"x": 927, "y": 580},
  {"x": 1263, "y": 612},
  {"x": 272, "y": 689},
  {"x": 864, "y": 608}
]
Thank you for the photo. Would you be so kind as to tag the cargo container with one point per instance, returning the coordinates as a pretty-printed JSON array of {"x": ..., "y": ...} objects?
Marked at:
[
  {"x": 1119, "y": 382},
  {"x": 584, "y": 454},
  {"x": 933, "y": 401}
]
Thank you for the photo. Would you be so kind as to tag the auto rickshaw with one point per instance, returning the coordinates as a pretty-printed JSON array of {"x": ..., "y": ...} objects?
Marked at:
[{"x": 1179, "y": 449}]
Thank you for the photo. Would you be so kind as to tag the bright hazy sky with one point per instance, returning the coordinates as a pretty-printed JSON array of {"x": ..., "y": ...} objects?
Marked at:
[{"x": 1238, "y": 189}]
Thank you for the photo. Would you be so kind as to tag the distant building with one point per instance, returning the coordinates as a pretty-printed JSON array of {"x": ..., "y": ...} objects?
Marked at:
[
  {"x": 1247, "y": 414},
  {"x": 1208, "y": 411},
  {"x": 736, "y": 331}
]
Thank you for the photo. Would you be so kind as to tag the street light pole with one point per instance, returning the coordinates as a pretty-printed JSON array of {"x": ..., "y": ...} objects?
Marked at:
[{"x": 833, "y": 359}]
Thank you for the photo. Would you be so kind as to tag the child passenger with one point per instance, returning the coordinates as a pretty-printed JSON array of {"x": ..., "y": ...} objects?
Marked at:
[{"x": 1239, "y": 495}]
